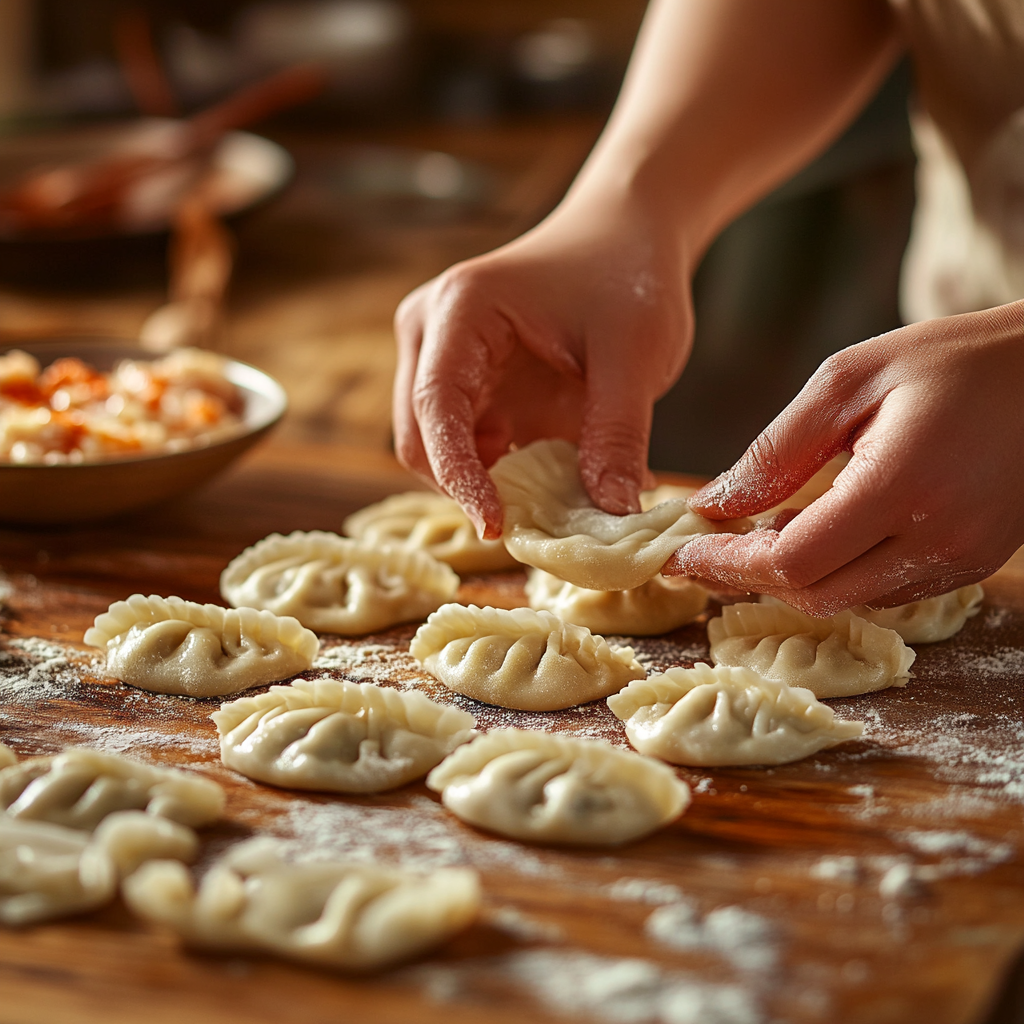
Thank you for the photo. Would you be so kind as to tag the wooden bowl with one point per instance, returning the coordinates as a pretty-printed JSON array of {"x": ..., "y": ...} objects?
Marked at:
[{"x": 35, "y": 494}]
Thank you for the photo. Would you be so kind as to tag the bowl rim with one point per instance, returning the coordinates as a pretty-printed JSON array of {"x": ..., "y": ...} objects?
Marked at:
[{"x": 243, "y": 375}]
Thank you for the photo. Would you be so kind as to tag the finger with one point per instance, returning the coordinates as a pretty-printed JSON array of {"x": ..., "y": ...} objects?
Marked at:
[
  {"x": 460, "y": 356},
  {"x": 408, "y": 337},
  {"x": 614, "y": 438},
  {"x": 811, "y": 430}
]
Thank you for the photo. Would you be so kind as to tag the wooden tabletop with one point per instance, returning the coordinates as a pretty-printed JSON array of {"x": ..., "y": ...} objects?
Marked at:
[{"x": 781, "y": 867}]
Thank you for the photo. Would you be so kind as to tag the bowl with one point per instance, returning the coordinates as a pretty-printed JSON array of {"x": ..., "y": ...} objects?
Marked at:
[{"x": 34, "y": 495}]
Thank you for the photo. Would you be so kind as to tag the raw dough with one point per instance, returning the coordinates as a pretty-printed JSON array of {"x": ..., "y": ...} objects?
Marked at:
[
  {"x": 351, "y": 916},
  {"x": 80, "y": 787},
  {"x": 331, "y": 735},
  {"x": 523, "y": 659},
  {"x": 7, "y": 756},
  {"x": 168, "y": 645},
  {"x": 546, "y": 788},
  {"x": 661, "y": 604},
  {"x": 337, "y": 585},
  {"x": 726, "y": 716},
  {"x": 433, "y": 523},
  {"x": 930, "y": 620},
  {"x": 49, "y": 871},
  {"x": 551, "y": 523},
  {"x": 837, "y": 657}
]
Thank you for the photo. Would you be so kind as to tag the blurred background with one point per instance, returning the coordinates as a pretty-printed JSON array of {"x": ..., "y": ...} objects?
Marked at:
[{"x": 445, "y": 128}]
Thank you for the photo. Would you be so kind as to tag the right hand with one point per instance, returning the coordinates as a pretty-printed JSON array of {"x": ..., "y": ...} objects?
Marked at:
[{"x": 573, "y": 330}]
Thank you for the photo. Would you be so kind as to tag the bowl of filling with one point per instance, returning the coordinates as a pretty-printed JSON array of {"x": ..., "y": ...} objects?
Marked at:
[{"x": 92, "y": 428}]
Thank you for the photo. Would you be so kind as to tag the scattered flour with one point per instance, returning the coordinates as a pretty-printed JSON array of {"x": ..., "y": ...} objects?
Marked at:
[
  {"x": 630, "y": 991},
  {"x": 522, "y": 926},
  {"x": 643, "y": 890},
  {"x": 837, "y": 869},
  {"x": 747, "y": 940}
]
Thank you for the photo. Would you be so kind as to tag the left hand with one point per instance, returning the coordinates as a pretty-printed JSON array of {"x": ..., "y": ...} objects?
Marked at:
[{"x": 933, "y": 496}]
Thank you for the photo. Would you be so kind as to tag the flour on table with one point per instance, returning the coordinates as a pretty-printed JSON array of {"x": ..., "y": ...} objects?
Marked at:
[
  {"x": 522, "y": 926},
  {"x": 643, "y": 890},
  {"x": 747, "y": 940}
]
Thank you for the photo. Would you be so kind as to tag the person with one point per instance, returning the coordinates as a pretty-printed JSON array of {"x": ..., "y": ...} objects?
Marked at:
[{"x": 576, "y": 328}]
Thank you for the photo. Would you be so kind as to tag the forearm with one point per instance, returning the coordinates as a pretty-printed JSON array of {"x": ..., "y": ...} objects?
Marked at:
[{"x": 725, "y": 99}]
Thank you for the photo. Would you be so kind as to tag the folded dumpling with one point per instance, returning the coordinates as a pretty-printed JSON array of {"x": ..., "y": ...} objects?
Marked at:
[
  {"x": 7, "y": 756},
  {"x": 355, "y": 917},
  {"x": 49, "y": 871},
  {"x": 837, "y": 657},
  {"x": 545, "y": 788},
  {"x": 551, "y": 523},
  {"x": 665, "y": 492},
  {"x": 929, "y": 620},
  {"x": 168, "y": 645},
  {"x": 335, "y": 584},
  {"x": 80, "y": 787},
  {"x": 433, "y": 523},
  {"x": 661, "y": 604},
  {"x": 726, "y": 716},
  {"x": 328, "y": 734},
  {"x": 523, "y": 659}
]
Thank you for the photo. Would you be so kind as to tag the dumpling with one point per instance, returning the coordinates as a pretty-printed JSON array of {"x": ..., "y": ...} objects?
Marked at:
[
  {"x": 531, "y": 661},
  {"x": 331, "y": 735},
  {"x": 665, "y": 492},
  {"x": 930, "y": 620},
  {"x": 661, "y": 604},
  {"x": 726, "y": 716},
  {"x": 545, "y": 788},
  {"x": 80, "y": 787},
  {"x": 355, "y": 917},
  {"x": 337, "y": 585},
  {"x": 49, "y": 871},
  {"x": 837, "y": 657},
  {"x": 433, "y": 523},
  {"x": 551, "y": 523},
  {"x": 7, "y": 756},
  {"x": 819, "y": 484},
  {"x": 168, "y": 645}
]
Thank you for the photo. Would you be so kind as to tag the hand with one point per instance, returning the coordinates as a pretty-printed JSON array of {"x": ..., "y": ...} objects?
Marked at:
[
  {"x": 933, "y": 496},
  {"x": 573, "y": 331}
]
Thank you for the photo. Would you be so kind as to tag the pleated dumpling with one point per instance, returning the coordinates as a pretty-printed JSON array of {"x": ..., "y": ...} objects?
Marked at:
[
  {"x": 523, "y": 659},
  {"x": 49, "y": 871},
  {"x": 335, "y": 584},
  {"x": 661, "y": 604},
  {"x": 726, "y": 716},
  {"x": 80, "y": 787},
  {"x": 546, "y": 788},
  {"x": 837, "y": 657},
  {"x": 168, "y": 645},
  {"x": 429, "y": 522},
  {"x": 355, "y": 917},
  {"x": 326, "y": 734},
  {"x": 551, "y": 523},
  {"x": 929, "y": 620}
]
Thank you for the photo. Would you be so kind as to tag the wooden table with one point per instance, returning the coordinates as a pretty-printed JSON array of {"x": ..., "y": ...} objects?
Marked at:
[{"x": 937, "y": 783}]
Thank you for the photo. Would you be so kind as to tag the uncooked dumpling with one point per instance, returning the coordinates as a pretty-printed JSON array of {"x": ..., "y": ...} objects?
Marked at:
[
  {"x": 810, "y": 492},
  {"x": 726, "y": 716},
  {"x": 665, "y": 492},
  {"x": 837, "y": 657},
  {"x": 7, "y": 756},
  {"x": 355, "y": 917},
  {"x": 551, "y": 523},
  {"x": 49, "y": 871},
  {"x": 930, "y": 620},
  {"x": 326, "y": 734},
  {"x": 80, "y": 787},
  {"x": 337, "y": 585},
  {"x": 168, "y": 645},
  {"x": 523, "y": 659},
  {"x": 429, "y": 522},
  {"x": 661, "y": 604},
  {"x": 545, "y": 788}
]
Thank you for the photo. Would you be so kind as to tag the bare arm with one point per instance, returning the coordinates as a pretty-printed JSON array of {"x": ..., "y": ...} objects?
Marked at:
[{"x": 577, "y": 328}]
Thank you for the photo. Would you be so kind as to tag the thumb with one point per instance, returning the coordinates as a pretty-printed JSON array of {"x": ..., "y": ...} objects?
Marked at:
[
  {"x": 614, "y": 438},
  {"x": 815, "y": 427}
]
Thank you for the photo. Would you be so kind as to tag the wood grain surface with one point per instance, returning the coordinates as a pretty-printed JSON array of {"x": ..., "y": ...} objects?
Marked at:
[{"x": 937, "y": 783}]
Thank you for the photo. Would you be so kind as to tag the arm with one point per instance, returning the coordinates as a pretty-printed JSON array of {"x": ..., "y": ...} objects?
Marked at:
[{"x": 578, "y": 327}]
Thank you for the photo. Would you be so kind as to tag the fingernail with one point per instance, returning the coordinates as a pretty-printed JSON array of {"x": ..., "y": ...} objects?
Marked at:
[{"x": 619, "y": 494}]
